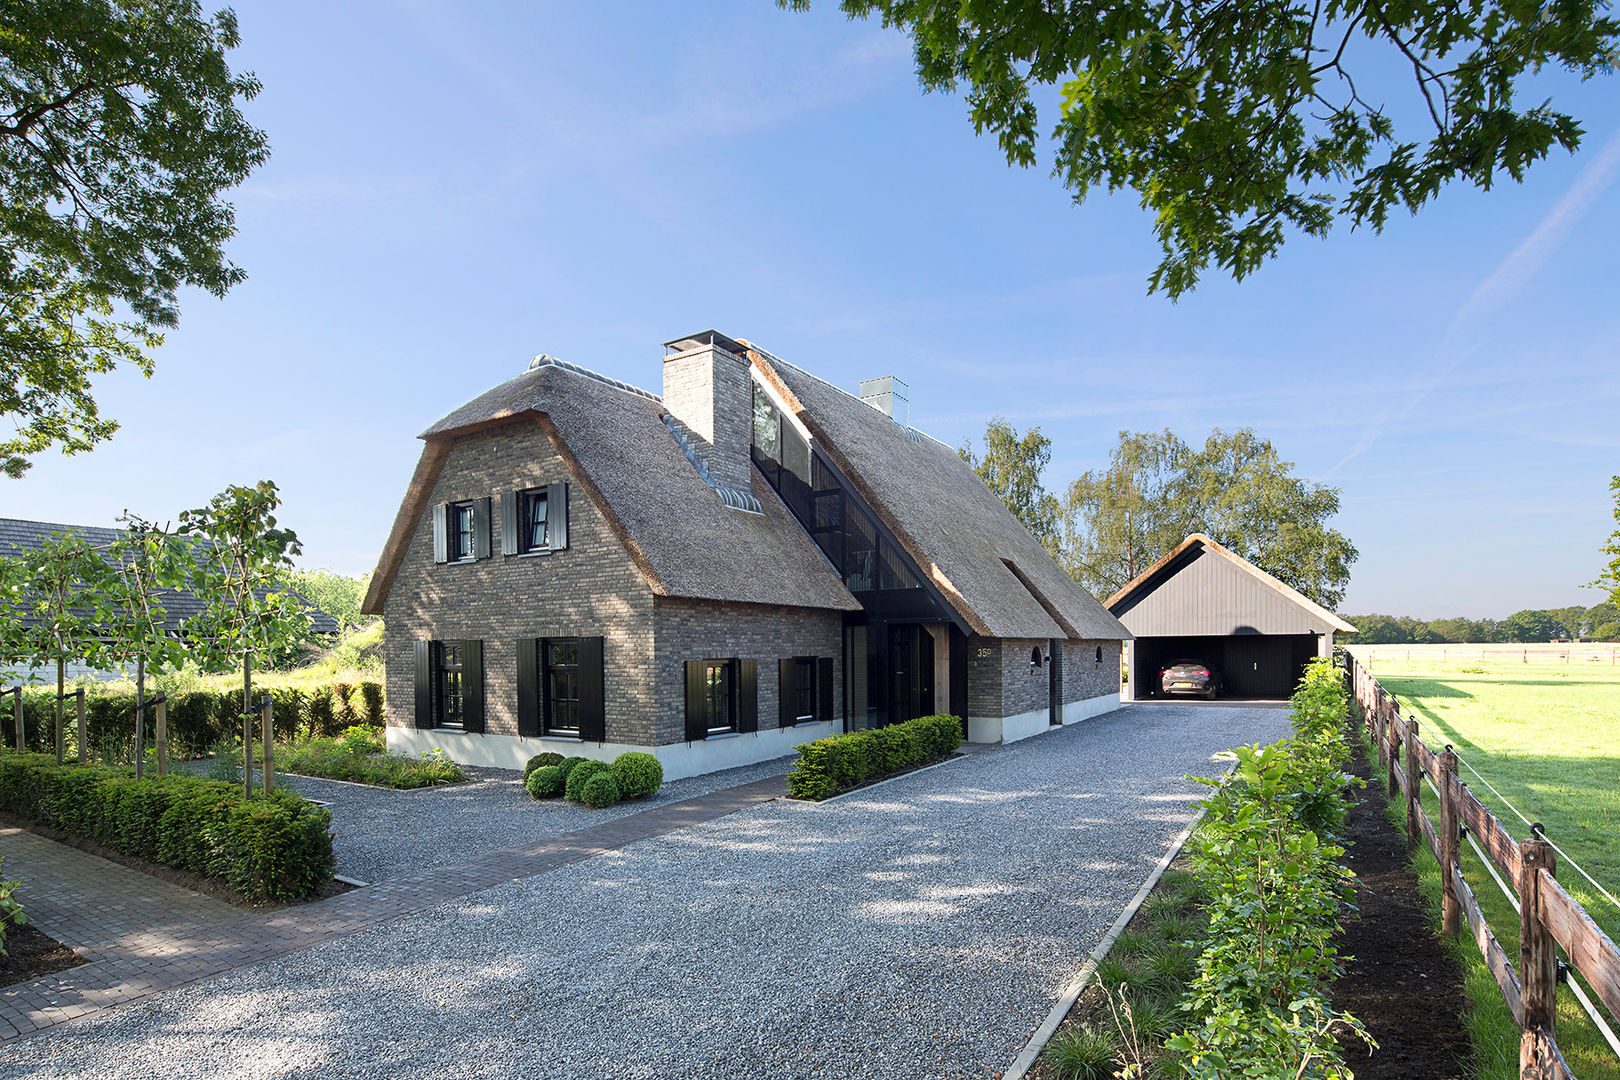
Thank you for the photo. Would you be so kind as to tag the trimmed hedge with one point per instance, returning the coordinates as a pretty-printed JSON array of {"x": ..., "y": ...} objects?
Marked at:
[
  {"x": 840, "y": 762},
  {"x": 200, "y": 718},
  {"x": 549, "y": 757},
  {"x": 639, "y": 774},
  {"x": 545, "y": 782},
  {"x": 579, "y": 774},
  {"x": 277, "y": 847},
  {"x": 600, "y": 791}
]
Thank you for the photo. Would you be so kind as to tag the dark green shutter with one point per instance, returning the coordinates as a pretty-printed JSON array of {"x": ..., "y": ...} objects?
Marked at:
[
  {"x": 557, "y": 516},
  {"x": 592, "y": 695},
  {"x": 747, "y": 695},
  {"x": 697, "y": 704},
  {"x": 481, "y": 509},
  {"x": 786, "y": 685},
  {"x": 472, "y": 686},
  {"x": 441, "y": 533},
  {"x": 528, "y": 685},
  {"x": 424, "y": 683},
  {"x": 509, "y": 523},
  {"x": 824, "y": 688}
]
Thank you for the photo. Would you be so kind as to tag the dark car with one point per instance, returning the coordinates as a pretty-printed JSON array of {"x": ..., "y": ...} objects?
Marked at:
[{"x": 1190, "y": 677}]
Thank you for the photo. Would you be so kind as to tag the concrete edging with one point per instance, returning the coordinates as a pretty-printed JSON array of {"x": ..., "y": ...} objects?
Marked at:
[{"x": 1071, "y": 991}]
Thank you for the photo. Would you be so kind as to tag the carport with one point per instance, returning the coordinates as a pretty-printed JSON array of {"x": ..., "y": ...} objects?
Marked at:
[{"x": 1202, "y": 602}]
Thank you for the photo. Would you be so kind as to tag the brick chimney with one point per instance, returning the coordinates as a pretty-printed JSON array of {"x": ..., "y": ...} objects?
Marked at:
[{"x": 707, "y": 390}]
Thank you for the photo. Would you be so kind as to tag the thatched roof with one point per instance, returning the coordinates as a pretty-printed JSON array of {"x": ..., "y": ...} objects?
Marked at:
[
  {"x": 677, "y": 529},
  {"x": 956, "y": 529},
  {"x": 18, "y": 536}
]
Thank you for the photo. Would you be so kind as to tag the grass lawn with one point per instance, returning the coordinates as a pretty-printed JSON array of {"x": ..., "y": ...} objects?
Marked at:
[{"x": 1548, "y": 739}]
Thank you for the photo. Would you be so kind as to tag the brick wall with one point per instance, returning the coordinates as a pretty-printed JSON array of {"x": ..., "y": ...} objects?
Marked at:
[
  {"x": 1083, "y": 676},
  {"x": 701, "y": 629},
  {"x": 589, "y": 590},
  {"x": 708, "y": 391},
  {"x": 1001, "y": 684},
  {"x": 1023, "y": 690}
]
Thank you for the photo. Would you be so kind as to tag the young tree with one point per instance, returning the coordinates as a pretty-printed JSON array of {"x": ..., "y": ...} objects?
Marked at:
[
  {"x": 1239, "y": 122},
  {"x": 60, "y": 619},
  {"x": 1012, "y": 468},
  {"x": 119, "y": 132},
  {"x": 147, "y": 561},
  {"x": 247, "y": 611},
  {"x": 1609, "y": 580}
]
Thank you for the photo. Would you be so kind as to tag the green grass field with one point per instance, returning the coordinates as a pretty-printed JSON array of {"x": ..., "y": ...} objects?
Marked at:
[{"x": 1548, "y": 739}]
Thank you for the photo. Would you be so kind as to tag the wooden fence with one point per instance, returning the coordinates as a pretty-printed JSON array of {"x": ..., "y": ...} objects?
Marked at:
[
  {"x": 1557, "y": 653},
  {"x": 1549, "y": 916}
]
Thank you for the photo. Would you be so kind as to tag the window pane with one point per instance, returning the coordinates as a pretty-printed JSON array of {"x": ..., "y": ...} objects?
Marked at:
[
  {"x": 535, "y": 508},
  {"x": 717, "y": 678},
  {"x": 767, "y": 426},
  {"x": 463, "y": 530},
  {"x": 562, "y": 684},
  {"x": 860, "y": 551}
]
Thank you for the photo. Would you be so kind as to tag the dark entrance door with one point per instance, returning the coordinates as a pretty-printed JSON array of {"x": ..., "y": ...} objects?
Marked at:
[{"x": 911, "y": 673}]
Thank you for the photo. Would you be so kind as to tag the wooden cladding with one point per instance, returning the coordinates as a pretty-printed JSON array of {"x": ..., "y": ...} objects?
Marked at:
[{"x": 1549, "y": 917}]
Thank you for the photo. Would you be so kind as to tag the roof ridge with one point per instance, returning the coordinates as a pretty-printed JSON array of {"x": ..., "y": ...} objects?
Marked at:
[
  {"x": 908, "y": 429},
  {"x": 544, "y": 360}
]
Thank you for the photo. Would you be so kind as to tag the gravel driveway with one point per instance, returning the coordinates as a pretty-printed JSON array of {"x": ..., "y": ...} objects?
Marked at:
[
  {"x": 379, "y": 833},
  {"x": 921, "y": 929}
]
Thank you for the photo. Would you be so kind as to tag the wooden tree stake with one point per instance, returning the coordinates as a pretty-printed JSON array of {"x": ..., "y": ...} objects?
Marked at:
[
  {"x": 21, "y": 745},
  {"x": 160, "y": 717},
  {"x": 267, "y": 736},
  {"x": 84, "y": 729}
]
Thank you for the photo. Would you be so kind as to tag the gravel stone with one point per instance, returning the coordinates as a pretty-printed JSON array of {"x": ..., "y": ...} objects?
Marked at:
[{"x": 922, "y": 928}]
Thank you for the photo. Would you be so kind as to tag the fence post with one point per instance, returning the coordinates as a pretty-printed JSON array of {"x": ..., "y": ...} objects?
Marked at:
[
  {"x": 84, "y": 730},
  {"x": 267, "y": 736},
  {"x": 1393, "y": 742},
  {"x": 21, "y": 736},
  {"x": 1450, "y": 839},
  {"x": 1413, "y": 785},
  {"x": 160, "y": 717},
  {"x": 1538, "y": 956}
]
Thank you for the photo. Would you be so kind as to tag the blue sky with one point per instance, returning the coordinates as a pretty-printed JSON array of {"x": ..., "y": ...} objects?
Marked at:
[{"x": 455, "y": 189}]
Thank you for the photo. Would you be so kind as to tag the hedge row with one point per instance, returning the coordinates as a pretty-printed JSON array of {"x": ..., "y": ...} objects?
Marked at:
[
  {"x": 196, "y": 719},
  {"x": 840, "y": 762},
  {"x": 277, "y": 847}
]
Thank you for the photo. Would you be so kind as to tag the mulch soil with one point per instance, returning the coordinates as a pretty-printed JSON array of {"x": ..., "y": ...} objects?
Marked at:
[
  {"x": 1399, "y": 980},
  {"x": 31, "y": 953}
]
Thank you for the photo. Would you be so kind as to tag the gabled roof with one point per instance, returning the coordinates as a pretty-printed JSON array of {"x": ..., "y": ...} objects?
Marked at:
[
  {"x": 1195, "y": 546},
  {"x": 679, "y": 532},
  {"x": 18, "y": 536},
  {"x": 980, "y": 557}
]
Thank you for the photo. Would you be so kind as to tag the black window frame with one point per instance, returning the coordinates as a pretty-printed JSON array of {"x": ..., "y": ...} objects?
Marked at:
[
  {"x": 455, "y": 535},
  {"x": 449, "y": 660},
  {"x": 552, "y": 674},
  {"x": 732, "y": 680},
  {"x": 804, "y": 690},
  {"x": 526, "y": 501}
]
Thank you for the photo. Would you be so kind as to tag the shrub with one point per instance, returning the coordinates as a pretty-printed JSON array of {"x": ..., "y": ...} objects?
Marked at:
[
  {"x": 11, "y": 912},
  {"x": 322, "y": 721},
  {"x": 567, "y": 765},
  {"x": 343, "y": 704},
  {"x": 639, "y": 774},
  {"x": 362, "y": 740},
  {"x": 1086, "y": 1054},
  {"x": 371, "y": 704},
  {"x": 600, "y": 790},
  {"x": 545, "y": 782},
  {"x": 840, "y": 762},
  {"x": 334, "y": 759},
  {"x": 550, "y": 757},
  {"x": 580, "y": 773},
  {"x": 277, "y": 847}
]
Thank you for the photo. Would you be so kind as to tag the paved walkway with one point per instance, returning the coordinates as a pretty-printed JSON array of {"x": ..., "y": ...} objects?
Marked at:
[{"x": 142, "y": 935}]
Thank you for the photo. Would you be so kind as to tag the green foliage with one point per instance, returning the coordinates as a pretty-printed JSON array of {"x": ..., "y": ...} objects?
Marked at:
[
  {"x": 1236, "y": 489},
  {"x": 639, "y": 774},
  {"x": 120, "y": 131},
  {"x": 1238, "y": 124},
  {"x": 839, "y": 762},
  {"x": 337, "y": 595},
  {"x": 371, "y": 704},
  {"x": 567, "y": 764},
  {"x": 574, "y": 782},
  {"x": 1085, "y": 1053},
  {"x": 359, "y": 758},
  {"x": 544, "y": 782},
  {"x": 272, "y": 848},
  {"x": 550, "y": 757},
  {"x": 1532, "y": 626},
  {"x": 1011, "y": 467},
  {"x": 1609, "y": 579},
  {"x": 11, "y": 912},
  {"x": 600, "y": 790}
]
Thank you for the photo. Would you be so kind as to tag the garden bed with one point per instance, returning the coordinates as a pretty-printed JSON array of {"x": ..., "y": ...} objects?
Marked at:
[{"x": 30, "y": 953}]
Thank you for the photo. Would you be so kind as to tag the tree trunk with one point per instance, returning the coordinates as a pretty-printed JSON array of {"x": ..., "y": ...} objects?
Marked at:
[
  {"x": 61, "y": 688},
  {"x": 247, "y": 725},
  {"x": 140, "y": 716}
]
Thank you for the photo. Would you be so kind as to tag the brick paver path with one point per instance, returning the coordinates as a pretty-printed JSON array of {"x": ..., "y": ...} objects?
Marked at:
[{"x": 142, "y": 935}]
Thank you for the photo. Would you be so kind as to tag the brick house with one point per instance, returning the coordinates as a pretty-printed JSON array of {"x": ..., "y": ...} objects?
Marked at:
[{"x": 750, "y": 560}]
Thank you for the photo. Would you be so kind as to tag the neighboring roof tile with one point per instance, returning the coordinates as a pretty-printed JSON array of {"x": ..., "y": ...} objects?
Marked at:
[
  {"x": 18, "y": 536},
  {"x": 959, "y": 531}
]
